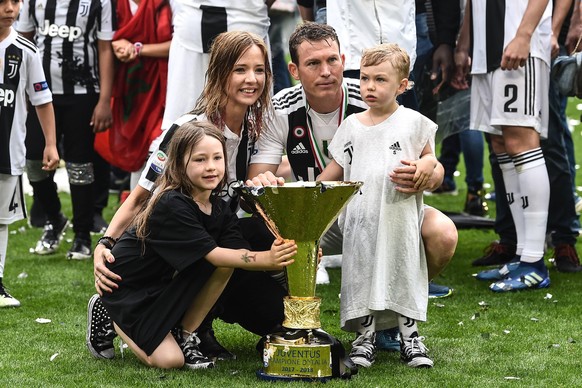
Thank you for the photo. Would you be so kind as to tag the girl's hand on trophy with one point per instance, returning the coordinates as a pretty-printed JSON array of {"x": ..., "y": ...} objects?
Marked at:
[{"x": 282, "y": 252}]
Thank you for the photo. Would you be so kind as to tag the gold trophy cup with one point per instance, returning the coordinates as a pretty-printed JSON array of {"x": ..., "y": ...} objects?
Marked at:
[{"x": 302, "y": 211}]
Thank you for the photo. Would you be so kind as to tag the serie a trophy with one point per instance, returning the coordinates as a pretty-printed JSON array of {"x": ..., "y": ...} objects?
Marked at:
[{"x": 302, "y": 211}]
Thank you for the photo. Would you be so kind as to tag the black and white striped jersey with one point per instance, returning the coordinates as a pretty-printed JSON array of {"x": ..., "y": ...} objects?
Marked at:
[
  {"x": 21, "y": 75},
  {"x": 300, "y": 133},
  {"x": 198, "y": 22},
  {"x": 66, "y": 32},
  {"x": 494, "y": 25}
]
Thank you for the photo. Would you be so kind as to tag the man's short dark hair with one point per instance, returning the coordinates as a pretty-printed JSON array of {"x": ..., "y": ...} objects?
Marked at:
[{"x": 313, "y": 32}]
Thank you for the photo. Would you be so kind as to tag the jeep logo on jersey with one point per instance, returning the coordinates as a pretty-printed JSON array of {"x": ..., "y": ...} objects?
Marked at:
[
  {"x": 65, "y": 32},
  {"x": 7, "y": 95}
]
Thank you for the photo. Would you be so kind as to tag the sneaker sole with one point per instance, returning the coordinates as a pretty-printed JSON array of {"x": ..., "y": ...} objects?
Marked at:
[
  {"x": 420, "y": 362},
  {"x": 202, "y": 365},
  {"x": 45, "y": 252},
  {"x": 361, "y": 361},
  {"x": 440, "y": 296},
  {"x": 11, "y": 302},
  {"x": 92, "y": 350},
  {"x": 77, "y": 256},
  {"x": 499, "y": 286}
]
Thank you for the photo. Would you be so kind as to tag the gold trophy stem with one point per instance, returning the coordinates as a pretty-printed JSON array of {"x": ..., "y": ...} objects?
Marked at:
[
  {"x": 301, "y": 313},
  {"x": 301, "y": 274}
]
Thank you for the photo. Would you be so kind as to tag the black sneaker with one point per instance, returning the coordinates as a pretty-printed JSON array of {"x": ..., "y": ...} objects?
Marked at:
[
  {"x": 211, "y": 348},
  {"x": 193, "y": 357},
  {"x": 566, "y": 258},
  {"x": 51, "y": 236},
  {"x": 496, "y": 254},
  {"x": 80, "y": 250},
  {"x": 7, "y": 300},
  {"x": 475, "y": 204},
  {"x": 414, "y": 353},
  {"x": 99, "y": 224},
  {"x": 100, "y": 332},
  {"x": 363, "y": 351}
]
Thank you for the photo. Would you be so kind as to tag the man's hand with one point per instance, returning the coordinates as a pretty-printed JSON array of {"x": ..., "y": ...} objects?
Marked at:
[
  {"x": 266, "y": 179},
  {"x": 443, "y": 63},
  {"x": 462, "y": 68},
  {"x": 102, "y": 117},
  {"x": 403, "y": 178},
  {"x": 516, "y": 53}
]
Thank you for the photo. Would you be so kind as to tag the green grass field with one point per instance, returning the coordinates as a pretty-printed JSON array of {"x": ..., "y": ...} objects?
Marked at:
[{"x": 476, "y": 337}]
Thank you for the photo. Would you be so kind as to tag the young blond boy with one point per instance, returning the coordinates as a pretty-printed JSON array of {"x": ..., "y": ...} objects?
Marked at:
[{"x": 385, "y": 277}]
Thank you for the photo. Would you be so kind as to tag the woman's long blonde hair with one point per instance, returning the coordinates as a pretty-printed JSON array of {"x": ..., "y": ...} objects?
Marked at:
[
  {"x": 226, "y": 49},
  {"x": 174, "y": 177}
]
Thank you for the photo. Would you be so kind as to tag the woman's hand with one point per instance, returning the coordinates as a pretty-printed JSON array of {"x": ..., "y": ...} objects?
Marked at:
[{"x": 105, "y": 280}]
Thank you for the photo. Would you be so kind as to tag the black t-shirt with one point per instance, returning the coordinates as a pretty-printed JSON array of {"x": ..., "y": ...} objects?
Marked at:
[{"x": 180, "y": 235}]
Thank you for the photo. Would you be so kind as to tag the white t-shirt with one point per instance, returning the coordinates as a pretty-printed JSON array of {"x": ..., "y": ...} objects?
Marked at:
[
  {"x": 362, "y": 24},
  {"x": 384, "y": 264}
]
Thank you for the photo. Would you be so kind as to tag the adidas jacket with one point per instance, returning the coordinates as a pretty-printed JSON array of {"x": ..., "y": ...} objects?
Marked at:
[{"x": 287, "y": 132}]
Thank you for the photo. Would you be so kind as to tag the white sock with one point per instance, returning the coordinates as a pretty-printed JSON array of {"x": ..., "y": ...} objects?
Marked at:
[
  {"x": 408, "y": 327},
  {"x": 3, "y": 247},
  {"x": 366, "y": 324},
  {"x": 535, "y": 198},
  {"x": 512, "y": 188}
]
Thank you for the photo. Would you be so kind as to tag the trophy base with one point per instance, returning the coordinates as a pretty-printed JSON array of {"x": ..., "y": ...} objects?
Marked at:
[
  {"x": 269, "y": 377},
  {"x": 304, "y": 355}
]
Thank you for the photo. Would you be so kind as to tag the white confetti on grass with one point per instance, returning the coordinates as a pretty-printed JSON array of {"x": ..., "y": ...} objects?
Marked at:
[
  {"x": 42, "y": 320},
  {"x": 54, "y": 356}
]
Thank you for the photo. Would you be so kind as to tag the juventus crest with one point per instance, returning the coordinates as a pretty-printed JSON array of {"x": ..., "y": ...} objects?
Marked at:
[
  {"x": 12, "y": 66},
  {"x": 84, "y": 7}
]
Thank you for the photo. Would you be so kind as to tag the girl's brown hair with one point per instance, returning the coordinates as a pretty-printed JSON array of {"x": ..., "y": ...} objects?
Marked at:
[
  {"x": 174, "y": 177},
  {"x": 226, "y": 49}
]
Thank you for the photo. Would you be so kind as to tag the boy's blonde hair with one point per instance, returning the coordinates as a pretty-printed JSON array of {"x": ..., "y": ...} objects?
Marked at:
[{"x": 389, "y": 52}]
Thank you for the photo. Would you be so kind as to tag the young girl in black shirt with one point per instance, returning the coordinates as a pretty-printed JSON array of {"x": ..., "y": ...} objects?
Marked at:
[{"x": 180, "y": 252}]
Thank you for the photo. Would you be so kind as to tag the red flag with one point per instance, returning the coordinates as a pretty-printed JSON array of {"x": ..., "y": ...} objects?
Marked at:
[{"x": 139, "y": 88}]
